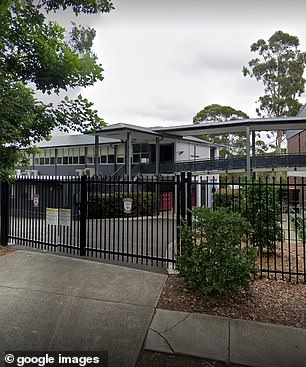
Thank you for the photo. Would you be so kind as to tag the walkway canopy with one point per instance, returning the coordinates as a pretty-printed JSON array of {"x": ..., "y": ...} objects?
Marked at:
[{"x": 128, "y": 132}]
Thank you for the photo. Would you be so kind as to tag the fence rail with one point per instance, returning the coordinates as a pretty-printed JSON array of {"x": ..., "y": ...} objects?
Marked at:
[
  {"x": 88, "y": 217},
  {"x": 139, "y": 221},
  {"x": 276, "y": 211}
]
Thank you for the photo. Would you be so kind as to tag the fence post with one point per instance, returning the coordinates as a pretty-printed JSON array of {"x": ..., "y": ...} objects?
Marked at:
[
  {"x": 178, "y": 207},
  {"x": 4, "y": 214},
  {"x": 182, "y": 196},
  {"x": 189, "y": 198},
  {"x": 83, "y": 215}
]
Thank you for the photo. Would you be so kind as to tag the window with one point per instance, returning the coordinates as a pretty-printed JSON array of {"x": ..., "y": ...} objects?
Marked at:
[
  {"x": 41, "y": 161},
  {"x": 59, "y": 160},
  {"x": 136, "y": 158},
  {"x": 140, "y": 153},
  {"x": 103, "y": 159},
  {"x": 89, "y": 160},
  {"x": 120, "y": 159},
  {"x": 111, "y": 158},
  {"x": 136, "y": 148},
  {"x": 75, "y": 160},
  {"x": 36, "y": 161},
  {"x": 65, "y": 160},
  {"x": 47, "y": 160},
  {"x": 82, "y": 159},
  {"x": 52, "y": 160},
  {"x": 70, "y": 160}
]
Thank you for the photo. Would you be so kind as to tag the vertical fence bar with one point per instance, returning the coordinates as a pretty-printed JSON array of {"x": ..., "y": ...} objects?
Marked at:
[
  {"x": 183, "y": 195},
  {"x": 275, "y": 224},
  {"x": 289, "y": 228},
  {"x": 282, "y": 226},
  {"x": 178, "y": 209},
  {"x": 189, "y": 198},
  {"x": 83, "y": 215},
  {"x": 5, "y": 189},
  {"x": 303, "y": 227}
]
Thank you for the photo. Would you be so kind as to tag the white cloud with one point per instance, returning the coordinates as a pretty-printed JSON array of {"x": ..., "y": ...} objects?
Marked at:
[{"x": 165, "y": 60}]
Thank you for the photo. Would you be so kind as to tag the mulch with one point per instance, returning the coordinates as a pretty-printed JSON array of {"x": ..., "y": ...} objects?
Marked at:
[{"x": 268, "y": 300}]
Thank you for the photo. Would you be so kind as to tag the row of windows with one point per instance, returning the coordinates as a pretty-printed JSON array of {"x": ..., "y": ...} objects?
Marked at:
[{"x": 76, "y": 160}]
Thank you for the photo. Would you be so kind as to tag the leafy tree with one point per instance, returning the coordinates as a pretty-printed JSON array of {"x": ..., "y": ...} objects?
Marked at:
[
  {"x": 39, "y": 54},
  {"x": 233, "y": 144},
  {"x": 279, "y": 66}
]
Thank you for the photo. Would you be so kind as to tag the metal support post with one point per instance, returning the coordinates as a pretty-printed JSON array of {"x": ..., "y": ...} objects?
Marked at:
[{"x": 5, "y": 189}]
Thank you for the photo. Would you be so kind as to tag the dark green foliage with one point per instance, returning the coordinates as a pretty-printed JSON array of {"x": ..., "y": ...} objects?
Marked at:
[
  {"x": 279, "y": 65},
  {"x": 40, "y": 54},
  {"x": 111, "y": 205},
  {"x": 227, "y": 198},
  {"x": 211, "y": 256},
  {"x": 234, "y": 144},
  {"x": 260, "y": 203},
  {"x": 261, "y": 206}
]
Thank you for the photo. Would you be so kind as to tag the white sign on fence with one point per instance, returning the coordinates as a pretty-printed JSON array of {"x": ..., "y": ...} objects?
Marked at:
[
  {"x": 65, "y": 217},
  {"x": 36, "y": 200},
  {"x": 52, "y": 216},
  {"x": 127, "y": 205}
]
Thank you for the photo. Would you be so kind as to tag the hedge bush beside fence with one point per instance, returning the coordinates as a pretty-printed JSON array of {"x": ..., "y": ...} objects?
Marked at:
[
  {"x": 111, "y": 205},
  {"x": 211, "y": 256}
]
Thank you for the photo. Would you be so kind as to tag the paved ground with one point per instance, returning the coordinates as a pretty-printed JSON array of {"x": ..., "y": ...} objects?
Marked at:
[
  {"x": 240, "y": 342},
  {"x": 109, "y": 238},
  {"x": 49, "y": 302}
]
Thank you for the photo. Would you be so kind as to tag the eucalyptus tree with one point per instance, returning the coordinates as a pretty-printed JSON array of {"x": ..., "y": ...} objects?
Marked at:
[{"x": 279, "y": 66}]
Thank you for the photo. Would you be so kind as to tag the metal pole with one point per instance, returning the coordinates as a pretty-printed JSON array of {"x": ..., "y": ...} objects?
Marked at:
[
  {"x": 96, "y": 154},
  {"x": 248, "y": 152},
  {"x": 83, "y": 215},
  {"x": 157, "y": 157},
  {"x": 253, "y": 143},
  {"x": 55, "y": 161},
  {"x": 5, "y": 217},
  {"x": 129, "y": 149}
]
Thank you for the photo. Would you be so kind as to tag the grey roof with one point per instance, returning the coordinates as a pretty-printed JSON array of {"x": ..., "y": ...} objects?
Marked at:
[
  {"x": 140, "y": 133},
  {"x": 120, "y": 130},
  {"x": 73, "y": 140},
  {"x": 235, "y": 126},
  {"x": 194, "y": 139}
]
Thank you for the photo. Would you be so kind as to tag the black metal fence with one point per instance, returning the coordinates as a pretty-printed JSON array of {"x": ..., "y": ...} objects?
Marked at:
[
  {"x": 138, "y": 221},
  {"x": 120, "y": 220},
  {"x": 276, "y": 211}
]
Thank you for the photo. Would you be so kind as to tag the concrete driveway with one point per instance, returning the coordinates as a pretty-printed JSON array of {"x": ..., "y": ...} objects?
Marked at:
[{"x": 54, "y": 303}]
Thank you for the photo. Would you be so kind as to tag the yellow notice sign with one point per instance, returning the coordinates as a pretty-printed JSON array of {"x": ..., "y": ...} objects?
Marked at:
[{"x": 52, "y": 216}]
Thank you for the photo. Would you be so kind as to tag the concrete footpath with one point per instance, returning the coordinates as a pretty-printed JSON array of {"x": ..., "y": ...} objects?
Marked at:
[
  {"x": 242, "y": 342},
  {"x": 55, "y": 303}
]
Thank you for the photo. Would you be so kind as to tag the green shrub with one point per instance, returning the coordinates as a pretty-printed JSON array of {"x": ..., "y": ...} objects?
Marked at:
[
  {"x": 211, "y": 256},
  {"x": 261, "y": 205},
  {"x": 227, "y": 198},
  {"x": 111, "y": 205}
]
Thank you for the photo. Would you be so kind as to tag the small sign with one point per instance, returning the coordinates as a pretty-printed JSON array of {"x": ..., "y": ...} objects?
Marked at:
[
  {"x": 64, "y": 217},
  {"x": 36, "y": 200},
  {"x": 52, "y": 216},
  {"x": 127, "y": 205}
]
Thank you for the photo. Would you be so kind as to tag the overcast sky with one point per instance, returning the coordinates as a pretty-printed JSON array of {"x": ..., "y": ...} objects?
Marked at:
[{"x": 165, "y": 60}]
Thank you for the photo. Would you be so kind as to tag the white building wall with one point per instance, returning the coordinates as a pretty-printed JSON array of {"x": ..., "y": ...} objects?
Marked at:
[
  {"x": 185, "y": 152},
  {"x": 203, "y": 152}
]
